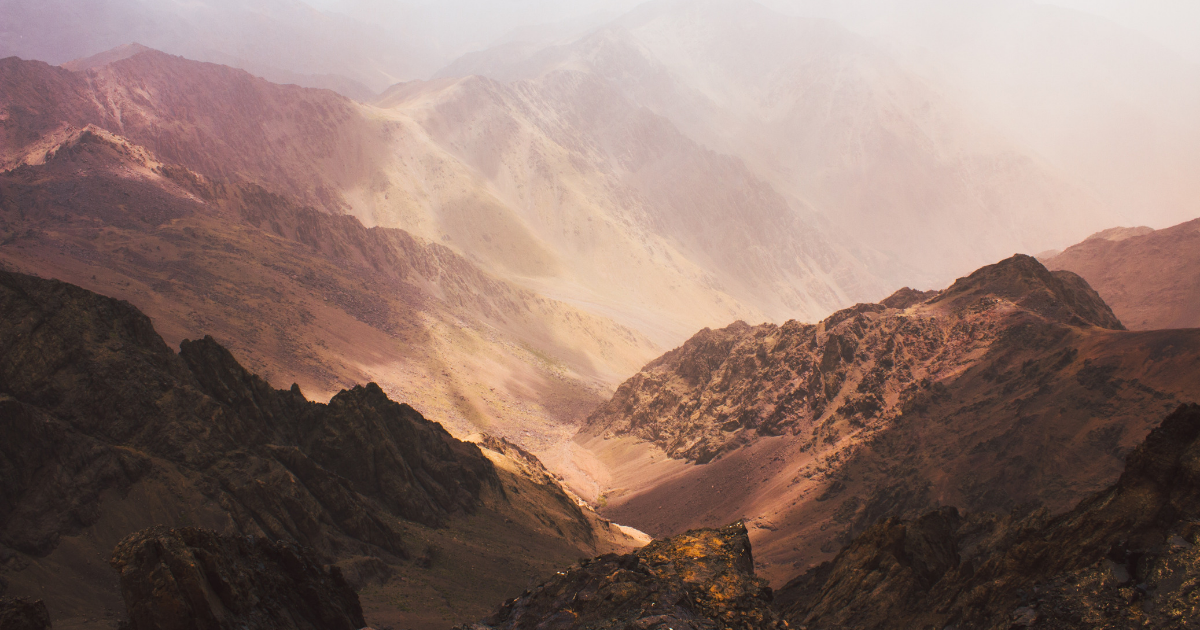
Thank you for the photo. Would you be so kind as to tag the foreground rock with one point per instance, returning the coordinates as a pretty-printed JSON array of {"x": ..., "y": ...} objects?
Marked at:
[
  {"x": 700, "y": 579},
  {"x": 194, "y": 579},
  {"x": 23, "y": 614},
  {"x": 1126, "y": 557}
]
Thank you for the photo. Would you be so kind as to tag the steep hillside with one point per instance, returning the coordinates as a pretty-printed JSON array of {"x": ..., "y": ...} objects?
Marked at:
[
  {"x": 1149, "y": 277},
  {"x": 108, "y": 431},
  {"x": 1014, "y": 385},
  {"x": 306, "y": 297},
  {"x": 1125, "y": 557}
]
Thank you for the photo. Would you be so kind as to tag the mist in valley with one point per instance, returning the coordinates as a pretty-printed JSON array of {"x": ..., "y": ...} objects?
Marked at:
[{"x": 668, "y": 264}]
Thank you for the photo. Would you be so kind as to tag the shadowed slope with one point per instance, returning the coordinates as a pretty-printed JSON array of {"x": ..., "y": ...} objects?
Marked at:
[
  {"x": 1077, "y": 570},
  {"x": 107, "y": 432}
]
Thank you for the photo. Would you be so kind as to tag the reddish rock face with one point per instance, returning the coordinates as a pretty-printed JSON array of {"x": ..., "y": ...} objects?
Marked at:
[
  {"x": 1151, "y": 278},
  {"x": 194, "y": 579}
]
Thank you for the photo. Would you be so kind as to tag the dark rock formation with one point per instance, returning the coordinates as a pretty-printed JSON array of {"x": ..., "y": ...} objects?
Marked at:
[
  {"x": 1124, "y": 558},
  {"x": 701, "y": 579},
  {"x": 95, "y": 401},
  {"x": 194, "y": 579},
  {"x": 23, "y": 614}
]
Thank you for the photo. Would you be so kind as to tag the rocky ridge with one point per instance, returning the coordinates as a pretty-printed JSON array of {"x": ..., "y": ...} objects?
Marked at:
[
  {"x": 1014, "y": 386},
  {"x": 861, "y": 365}
]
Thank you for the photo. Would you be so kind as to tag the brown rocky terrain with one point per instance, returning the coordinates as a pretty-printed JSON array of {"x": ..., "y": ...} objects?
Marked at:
[
  {"x": 1016, "y": 385},
  {"x": 701, "y": 579},
  {"x": 1148, "y": 276},
  {"x": 23, "y": 613},
  {"x": 108, "y": 431},
  {"x": 194, "y": 579},
  {"x": 1126, "y": 557}
]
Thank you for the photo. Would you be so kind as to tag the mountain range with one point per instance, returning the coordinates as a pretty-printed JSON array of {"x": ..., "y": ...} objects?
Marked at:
[{"x": 628, "y": 273}]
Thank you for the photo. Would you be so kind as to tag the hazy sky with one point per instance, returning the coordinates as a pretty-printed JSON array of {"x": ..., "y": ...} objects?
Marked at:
[{"x": 1173, "y": 23}]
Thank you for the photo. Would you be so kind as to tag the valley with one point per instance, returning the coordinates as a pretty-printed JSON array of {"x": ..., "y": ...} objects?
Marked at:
[{"x": 705, "y": 315}]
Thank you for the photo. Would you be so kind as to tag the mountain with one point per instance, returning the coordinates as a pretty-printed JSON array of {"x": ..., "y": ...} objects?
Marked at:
[
  {"x": 109, "y": 431},
  {"x": 562, "y": 187},
  {"x": 1148, "y": 276},
  {"x": 1015, "y": 385},
  {"x": 917, "y": 184},
  {"x": 301, "y": 294},
  {"x": 1124, "y": 557}
]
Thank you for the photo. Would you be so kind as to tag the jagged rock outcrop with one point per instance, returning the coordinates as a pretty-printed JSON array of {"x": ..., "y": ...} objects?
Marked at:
[
  {"x": 96, "y": 402},
  {"x": 702, "y": 579},
  {"x": 1126, "y": 557},
  {"x": 862, "y": 364},
  {"x": 22, "y": 613},
  {"x": 195, "y": 579}
]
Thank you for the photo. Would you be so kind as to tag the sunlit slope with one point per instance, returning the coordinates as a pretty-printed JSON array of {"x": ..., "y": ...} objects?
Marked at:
[
  {"x": 925, "y": 187},
  {"x": 577, "y": 192}
]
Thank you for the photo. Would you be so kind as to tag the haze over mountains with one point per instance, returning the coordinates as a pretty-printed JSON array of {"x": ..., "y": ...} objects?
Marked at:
[{"x": 502, "y": 227}]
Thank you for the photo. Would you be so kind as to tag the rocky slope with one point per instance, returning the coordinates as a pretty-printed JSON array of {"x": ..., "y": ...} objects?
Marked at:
[
  {"x": 1014, "y": 385},
  {"x": 109, "y": 431},
  {"x": 701, "y": 579},
  {"x": 194, "y": 579},
  {"x": 1147, "y": 276},
  {"x": 1126, "y": 557},
  {"x": 24, "y": 614}
]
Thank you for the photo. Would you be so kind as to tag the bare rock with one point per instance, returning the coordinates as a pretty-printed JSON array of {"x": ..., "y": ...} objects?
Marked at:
[
  {"x": 23, "y": 613},
  {"x": 702, "y": 579},
  {"x": 194, "y": 579}
]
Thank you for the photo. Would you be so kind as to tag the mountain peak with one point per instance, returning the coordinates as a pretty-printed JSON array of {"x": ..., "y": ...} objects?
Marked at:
[
  {"x": 1059, "y": 295},
  {"x": 113, "y": 55}
]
